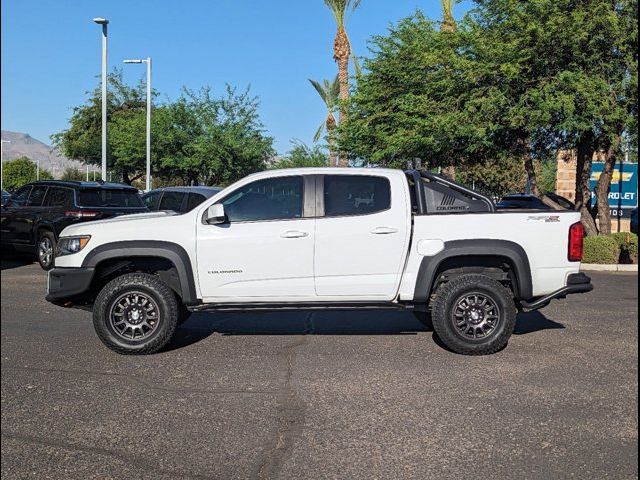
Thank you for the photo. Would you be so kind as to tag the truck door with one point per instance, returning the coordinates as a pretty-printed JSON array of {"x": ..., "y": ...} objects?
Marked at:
[
  {"x": 362, "y": 235},
  {"x": 264, "y": 250}
]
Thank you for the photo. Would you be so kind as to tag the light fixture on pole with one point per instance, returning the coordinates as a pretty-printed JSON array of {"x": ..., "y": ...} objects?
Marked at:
[
  {"x": 148, "y": 62},
  {"x": 104, "y": 22},
  {"x": 2, "y": 163}
]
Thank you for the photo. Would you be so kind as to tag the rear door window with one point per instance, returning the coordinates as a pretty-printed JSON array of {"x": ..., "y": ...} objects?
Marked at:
[
  {"x": 172, "y": 201},
  {"x": 95, "y": 197},
  {"x": 194, "y": 200},
  {"x": 355, "y": 195},
  {"x": 59, "y": 197},
  {"x": 36, "y": 196},
  {"x": 151, "y": 200}
]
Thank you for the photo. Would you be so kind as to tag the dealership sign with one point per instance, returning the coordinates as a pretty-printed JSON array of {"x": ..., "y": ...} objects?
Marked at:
[{"x": 623, "y": 195}]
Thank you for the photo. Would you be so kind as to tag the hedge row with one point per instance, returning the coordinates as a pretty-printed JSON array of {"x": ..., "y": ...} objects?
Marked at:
[{"x": 614, "y": 248}]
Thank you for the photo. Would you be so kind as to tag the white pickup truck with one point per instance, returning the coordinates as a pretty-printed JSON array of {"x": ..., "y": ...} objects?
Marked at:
[{"x": 322, "y": 238}]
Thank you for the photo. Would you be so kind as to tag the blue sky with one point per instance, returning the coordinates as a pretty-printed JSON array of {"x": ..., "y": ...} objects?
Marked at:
[{"x": 51, "y": 53}]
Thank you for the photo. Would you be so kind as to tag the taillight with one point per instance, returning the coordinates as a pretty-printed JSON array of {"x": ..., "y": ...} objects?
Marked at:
[
  {"x": 81, "y": 213},
  {"x": 576, "y": 241}
]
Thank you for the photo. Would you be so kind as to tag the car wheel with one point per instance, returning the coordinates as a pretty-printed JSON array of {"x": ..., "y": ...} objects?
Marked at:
[
  {"x": 46, "y": 249},
  {"x": 135, "y": 314},
  {"x": 474, "y": 315}
]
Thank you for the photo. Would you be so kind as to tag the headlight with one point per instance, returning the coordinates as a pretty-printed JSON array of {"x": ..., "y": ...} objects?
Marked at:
[{"x": 69, "y": 245}]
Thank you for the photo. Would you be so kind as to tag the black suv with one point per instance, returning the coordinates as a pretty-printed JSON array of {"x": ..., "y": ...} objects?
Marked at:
[
  {"x": 178, "y": 199},
  {"x": 36, "y": 213}
]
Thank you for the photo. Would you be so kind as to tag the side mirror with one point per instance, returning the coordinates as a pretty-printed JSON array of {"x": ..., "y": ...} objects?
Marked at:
[{"x": 215, "y": 214}]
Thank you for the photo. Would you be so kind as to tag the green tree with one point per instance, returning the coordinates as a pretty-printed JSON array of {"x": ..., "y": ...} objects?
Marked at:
[
  {"x": 512, "y": 80},
  {"x": 561, "y": 74},
  {"x": 301, "y": 155},
  {"x": 494, "y": 177},
  {"x": 329, "y": 93},
  {"x": 411, "y": 102},
  {"x": 198, "y": 138},
  {"x": 16, "y": 173},
  {"x": 125, "y": 119},
  {"x": 342, "y": 53},
  {"x": 210, "y": 140}
]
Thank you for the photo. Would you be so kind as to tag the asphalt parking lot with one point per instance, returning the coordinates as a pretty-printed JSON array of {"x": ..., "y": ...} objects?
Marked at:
[{"x": 301, "y": 395}]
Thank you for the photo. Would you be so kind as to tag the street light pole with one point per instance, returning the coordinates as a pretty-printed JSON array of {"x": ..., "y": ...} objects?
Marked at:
[
  {"x": 148, "y": 170},
  {"x": 104, "y": 22},
  {"x": 2, "y": 163}
]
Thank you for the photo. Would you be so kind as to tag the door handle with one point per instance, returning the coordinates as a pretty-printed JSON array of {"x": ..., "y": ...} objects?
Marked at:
[
  {"x": 294, "y": 234},
  {"x": 384, "y": 230}
]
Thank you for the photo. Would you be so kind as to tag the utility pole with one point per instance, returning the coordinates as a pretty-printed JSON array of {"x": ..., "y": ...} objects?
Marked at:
[
  {"x": 104, "y": 22},
  {"x": 148, "y": 170}
]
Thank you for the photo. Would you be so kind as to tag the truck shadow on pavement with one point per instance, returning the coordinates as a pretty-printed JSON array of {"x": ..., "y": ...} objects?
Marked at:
[
  {"x": 15, "y": 260},
  {"x": 335, "y": 322}
]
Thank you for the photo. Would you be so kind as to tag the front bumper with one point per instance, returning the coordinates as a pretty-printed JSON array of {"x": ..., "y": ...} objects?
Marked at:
[
  {"x": 66, "y": 284},
  {"x": 576, "y": 283}
]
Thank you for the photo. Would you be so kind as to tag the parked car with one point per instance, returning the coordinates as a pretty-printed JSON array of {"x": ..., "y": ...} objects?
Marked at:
[
  {"x": 178, "y": 199},
  {"x": 5, "y": 197},
  {"x": 37, "y": 212},
  {"x": 528, "y": 201},
  {"x": 300, "y": 238},
  {"x": 634, "y": 221}
]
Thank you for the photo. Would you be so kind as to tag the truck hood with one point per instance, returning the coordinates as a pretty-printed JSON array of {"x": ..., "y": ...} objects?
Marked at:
[{"x": 122, "y": 221}]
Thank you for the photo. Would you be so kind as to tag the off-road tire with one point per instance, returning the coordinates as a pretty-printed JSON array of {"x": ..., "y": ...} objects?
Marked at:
[
  {"x": 444, "y": 308},
  {"x": 45, "y": 237},
  {"x": 158, "y": 292}
]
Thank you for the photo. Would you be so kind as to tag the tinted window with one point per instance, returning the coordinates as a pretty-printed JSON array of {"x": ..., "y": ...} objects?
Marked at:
[
  {"x": 194, "y": 200},
  {"x": 59, "y": 197},
  {"x": 36, "y": 196},
  {"x": 151, "y": 200},
  {"x": 268, "y": 199},
  {"x": 19, "y": 198},
  {"x": 355, "y": 195},
  {"x": 172, "y": 201},
  {"x": 109, "y": 198}
]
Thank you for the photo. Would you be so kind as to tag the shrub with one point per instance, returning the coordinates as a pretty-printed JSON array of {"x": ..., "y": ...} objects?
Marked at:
[
  {"x": 628, "y": 244},
  {"x": 601, "y": 250}
]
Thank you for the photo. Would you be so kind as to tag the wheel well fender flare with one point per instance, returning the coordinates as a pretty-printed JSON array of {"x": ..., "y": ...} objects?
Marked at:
[
  {"x": 173, "y": 252},
  {"x": 483, "y": 247}
]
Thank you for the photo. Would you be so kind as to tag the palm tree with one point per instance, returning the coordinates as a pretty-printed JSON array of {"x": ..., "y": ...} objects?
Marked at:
[
  {"x": 448, "y": 24},
  {"x": 329, "y": 91},
  {"x": 341, "y": 53}
]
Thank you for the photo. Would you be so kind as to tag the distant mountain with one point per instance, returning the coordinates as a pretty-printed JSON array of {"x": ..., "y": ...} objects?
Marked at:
[{"x": 22, "y": 144}]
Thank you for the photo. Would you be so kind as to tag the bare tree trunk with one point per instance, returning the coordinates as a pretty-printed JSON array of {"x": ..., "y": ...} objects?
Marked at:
[
  {"x": 527, "y": 160},
  {"x": 584, "y": 153},
  {"x": 331, "y": 126},
  {"x": 341, "y": 53},
  {"x": 604, "y": 186}
]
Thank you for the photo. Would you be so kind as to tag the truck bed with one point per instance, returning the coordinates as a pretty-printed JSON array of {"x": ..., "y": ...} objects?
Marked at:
[{"x": 538, "y": 232}]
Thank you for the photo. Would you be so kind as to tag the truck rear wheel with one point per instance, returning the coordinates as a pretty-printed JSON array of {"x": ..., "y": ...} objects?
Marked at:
[
  {"x": 474, "y": 315},
  {"x": 135, "y": 314}
]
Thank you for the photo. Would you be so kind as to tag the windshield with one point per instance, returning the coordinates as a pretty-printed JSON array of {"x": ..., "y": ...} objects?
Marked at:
[{"x": 109, "y": 198}]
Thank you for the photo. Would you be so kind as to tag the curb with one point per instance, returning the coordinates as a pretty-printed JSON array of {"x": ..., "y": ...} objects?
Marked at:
[{"x": 596, "y": 267}]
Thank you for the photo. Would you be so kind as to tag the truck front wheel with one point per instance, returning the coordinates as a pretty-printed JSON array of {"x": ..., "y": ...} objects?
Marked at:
[
  {"x": 474, "y": 314},
  {"x": 135, "y": 314}
]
